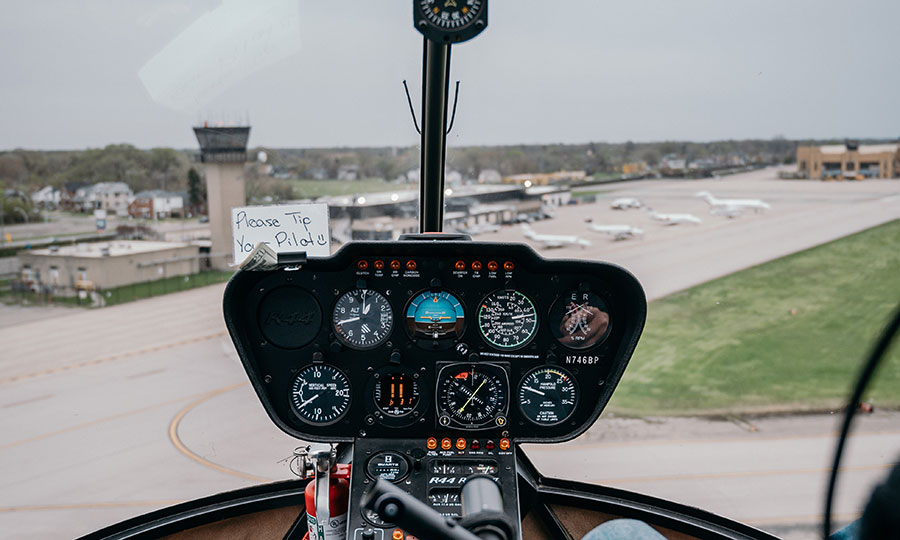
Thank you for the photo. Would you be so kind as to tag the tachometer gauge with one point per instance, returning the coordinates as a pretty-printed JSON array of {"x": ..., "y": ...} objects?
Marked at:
[
  {"x": 435, "y": 315},
  {"x": 548, "y": 395},
  {"x": 579, "y": 320},
  {"x": 320, "y": 394},
  {"x": 472, "y": 395},
  {"x": 507, "y": 319},
  {"x": 362, "y": 319}
]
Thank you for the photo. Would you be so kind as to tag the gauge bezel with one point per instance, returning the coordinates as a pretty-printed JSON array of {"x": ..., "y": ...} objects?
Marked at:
[
  {"x": 440, "y": 34},
  {"x": 307, "y": 421},
  {"x": 343, "y": 340},
  {"x": 534, "y": 331},
  {"x": 430, "y": 343},
  {"x": 557, "y": 335},
  {"x": 545, "y": 367},
  {"x": 498, "y": 419},
  {"x": 395, "y": 421}
]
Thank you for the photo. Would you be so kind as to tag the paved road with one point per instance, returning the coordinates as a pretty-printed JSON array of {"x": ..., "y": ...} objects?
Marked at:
[{"x": 114, "y": 412}]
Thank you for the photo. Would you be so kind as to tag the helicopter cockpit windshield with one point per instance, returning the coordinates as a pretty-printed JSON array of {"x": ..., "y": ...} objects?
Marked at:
[{"x": 572, "y": 289}]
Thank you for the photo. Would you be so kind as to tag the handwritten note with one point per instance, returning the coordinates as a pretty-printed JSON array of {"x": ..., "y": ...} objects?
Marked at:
[{"x": 284, "y": 228}]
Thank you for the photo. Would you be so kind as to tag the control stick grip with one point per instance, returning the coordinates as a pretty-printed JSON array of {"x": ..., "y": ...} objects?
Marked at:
[
  {"x": 482, "y": 509},
  {"x": 397, "y": 506},
  {"x": 480, "y": 493}
]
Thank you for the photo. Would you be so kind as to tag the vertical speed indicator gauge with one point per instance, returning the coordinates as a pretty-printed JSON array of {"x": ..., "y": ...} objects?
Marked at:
[
  {"x": 362, "y": 319},
  {"x": 507, "y": 319},
  {"x": 320, "y": 394}
]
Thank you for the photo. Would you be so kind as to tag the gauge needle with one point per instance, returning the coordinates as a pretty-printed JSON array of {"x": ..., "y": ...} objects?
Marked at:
[
  {"x": 308, "y": 401},
  {"x": 473, "y": 395},
  {"x": 530, "y": 389},
  {"x": 365, "y": 307},
  {"x": 522, "y": 316},
  {"x": 351, "y": 319}
]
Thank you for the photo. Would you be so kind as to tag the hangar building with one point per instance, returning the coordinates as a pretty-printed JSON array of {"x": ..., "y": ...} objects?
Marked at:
[{"x": 849, "y": 161}]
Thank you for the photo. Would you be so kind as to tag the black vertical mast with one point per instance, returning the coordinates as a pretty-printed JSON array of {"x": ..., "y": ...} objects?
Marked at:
[{"x": 435, "y": 89}]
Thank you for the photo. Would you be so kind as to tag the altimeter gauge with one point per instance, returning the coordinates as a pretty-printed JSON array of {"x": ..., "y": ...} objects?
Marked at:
[{"x": 362, "y": 319}]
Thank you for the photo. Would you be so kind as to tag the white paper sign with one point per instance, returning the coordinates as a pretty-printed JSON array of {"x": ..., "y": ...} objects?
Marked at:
[{"x": 284, "y": 228}]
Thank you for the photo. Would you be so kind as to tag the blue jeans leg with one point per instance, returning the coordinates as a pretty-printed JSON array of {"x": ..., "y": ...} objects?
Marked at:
[{"x": 624, "y": 529}]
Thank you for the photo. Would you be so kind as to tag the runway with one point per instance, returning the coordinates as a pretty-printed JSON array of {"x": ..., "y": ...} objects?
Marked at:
[{"x": 114, "y": 412}]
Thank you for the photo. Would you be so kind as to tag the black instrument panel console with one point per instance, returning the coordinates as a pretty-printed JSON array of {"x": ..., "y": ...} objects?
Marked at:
[{"x": 435, "y": 339}]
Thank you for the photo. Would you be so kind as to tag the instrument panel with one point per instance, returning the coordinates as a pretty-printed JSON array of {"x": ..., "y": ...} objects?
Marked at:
[{"x": 437, "y": 339}]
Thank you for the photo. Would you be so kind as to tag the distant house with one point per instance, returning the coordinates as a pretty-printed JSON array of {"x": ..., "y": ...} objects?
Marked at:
[
  {"x": 158, "y": 203},
  {"x": 110, "y": 196},
  {"x": 348, "y": 172},
  {"x": 47, "y": 197},
  {"x": 489, "y": 176}
]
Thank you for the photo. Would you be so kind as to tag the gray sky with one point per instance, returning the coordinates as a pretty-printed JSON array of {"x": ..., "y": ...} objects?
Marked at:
[{"x": 329, "y": 73}]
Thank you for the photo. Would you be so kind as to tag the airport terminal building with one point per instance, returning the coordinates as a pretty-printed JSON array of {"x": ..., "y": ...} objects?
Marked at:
[{"x": 849, "y": 161}]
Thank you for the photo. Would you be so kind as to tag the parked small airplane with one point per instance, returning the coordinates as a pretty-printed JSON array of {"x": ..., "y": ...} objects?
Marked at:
[
  {"x": 618, "y": 232},
  {"x": 479, "y": 229},
  {"x": 732, "y": 207},
  {"x": 673, "y": 219},
  {"x": 553, "y": 240},
  {"x": 624, "y": 203}
]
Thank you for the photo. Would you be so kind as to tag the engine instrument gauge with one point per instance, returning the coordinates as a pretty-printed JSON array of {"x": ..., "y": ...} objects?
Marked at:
[
  {"x": 548, "y": 395},
  {"x": 396, "y": 393},
  {"x": 320, "y": 394},
  {"x": 362, "y": 319},
  {"x": 579, "y": 320},
  {"x": 435, "y": 315},
  {"x": 472, "y": 395},
  {"x": 507, "y": 319}
]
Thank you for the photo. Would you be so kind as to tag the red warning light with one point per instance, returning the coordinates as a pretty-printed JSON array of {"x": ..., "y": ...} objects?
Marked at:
[
  {"x": 476, "y": 265},
  {"x": 460, "y": 265},
  {"x": 362, "y": 265},
  {"x": 410, "y": 265},
  {"x": 464, "y": 375},
  {"x": 395, "y": 265},
  {"x": 379, "y": 265},
  {"x": 492, "y": 266},
  {"x": 508, "y": 266}
]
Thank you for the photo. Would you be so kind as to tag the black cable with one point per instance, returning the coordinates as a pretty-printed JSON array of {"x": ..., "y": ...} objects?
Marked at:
[
  {"x": 453, "y": 117},
  {"x": 412, "y": 110},
  {"x": 875, "y": 357}
]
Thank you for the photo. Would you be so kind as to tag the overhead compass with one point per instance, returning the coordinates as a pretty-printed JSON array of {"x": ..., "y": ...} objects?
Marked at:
[{"x": 450, "y": 21}]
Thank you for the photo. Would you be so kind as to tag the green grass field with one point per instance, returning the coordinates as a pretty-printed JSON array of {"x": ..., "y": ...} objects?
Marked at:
[
  {"x": 787, "y": 335},
  {"x": 304, "y": 189}
]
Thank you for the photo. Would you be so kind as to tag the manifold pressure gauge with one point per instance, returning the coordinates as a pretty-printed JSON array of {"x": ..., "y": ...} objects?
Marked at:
[{"x": 450, "y": 21}]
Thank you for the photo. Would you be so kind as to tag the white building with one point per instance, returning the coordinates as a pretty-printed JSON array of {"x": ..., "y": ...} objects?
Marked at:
[
  {"x": 158, "y": 203},
  {"x": 46, "y": 197},
  {"x": 110, "y": 196}
]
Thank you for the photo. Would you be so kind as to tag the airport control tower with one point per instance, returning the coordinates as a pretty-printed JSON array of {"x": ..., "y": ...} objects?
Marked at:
[{"x": 223, "y": 151}]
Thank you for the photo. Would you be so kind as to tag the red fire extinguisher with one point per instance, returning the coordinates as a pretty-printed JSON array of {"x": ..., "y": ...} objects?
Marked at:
[{"x": 338, "y": 500}]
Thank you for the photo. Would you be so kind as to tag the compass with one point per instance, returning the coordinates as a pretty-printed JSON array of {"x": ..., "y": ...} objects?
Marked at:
[{"x": 450, "y": 21}]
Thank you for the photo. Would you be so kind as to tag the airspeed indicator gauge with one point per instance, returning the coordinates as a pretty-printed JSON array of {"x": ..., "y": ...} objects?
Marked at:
[
  {"x": 507, "y": 319},
  {"x": 450, "y": 21}
]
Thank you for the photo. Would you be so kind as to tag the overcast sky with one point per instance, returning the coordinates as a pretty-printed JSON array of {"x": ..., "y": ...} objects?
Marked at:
[{"x": 320, "y": 73}]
